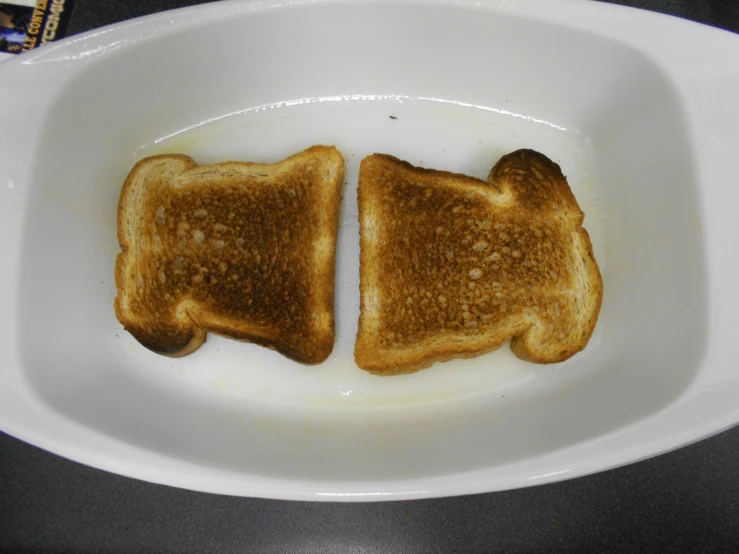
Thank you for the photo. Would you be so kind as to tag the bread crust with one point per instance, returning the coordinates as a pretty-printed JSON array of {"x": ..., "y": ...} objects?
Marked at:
[
  {"x": 453, "y": 267},
  {"x": 240, "y": 249}
]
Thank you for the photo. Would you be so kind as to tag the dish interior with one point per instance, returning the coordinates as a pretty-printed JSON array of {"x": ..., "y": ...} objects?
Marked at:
[{"x": 465, "y": 86}]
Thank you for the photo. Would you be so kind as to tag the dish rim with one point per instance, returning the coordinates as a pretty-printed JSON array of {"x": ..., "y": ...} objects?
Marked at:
[{"x": 46, "y": 429}]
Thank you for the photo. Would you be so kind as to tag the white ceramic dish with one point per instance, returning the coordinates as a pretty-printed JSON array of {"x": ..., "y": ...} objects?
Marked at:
[{"x": 640, "y": 110}]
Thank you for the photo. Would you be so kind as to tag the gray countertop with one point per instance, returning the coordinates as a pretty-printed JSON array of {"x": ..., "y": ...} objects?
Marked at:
[{"x": 684, "y": 501}]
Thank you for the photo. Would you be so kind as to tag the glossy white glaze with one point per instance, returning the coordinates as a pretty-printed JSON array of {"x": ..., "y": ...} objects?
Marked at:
[{"x": 638, "y": 109}]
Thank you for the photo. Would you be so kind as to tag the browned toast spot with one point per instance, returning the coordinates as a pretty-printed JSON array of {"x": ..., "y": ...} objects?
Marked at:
[
  {"x": 240, "y": 249},
  {"x": 452, "y": 266}
]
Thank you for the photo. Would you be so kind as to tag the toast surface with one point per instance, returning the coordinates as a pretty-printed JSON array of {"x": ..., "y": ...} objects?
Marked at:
[
  {"x": 453, "y": 267},
  {"x": 240, "y": 249}
]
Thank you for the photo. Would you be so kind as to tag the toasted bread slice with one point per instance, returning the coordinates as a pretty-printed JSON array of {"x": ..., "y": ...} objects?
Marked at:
[
  {"x": 243, "y": 250},
  {"x": 453, "y": 267}
]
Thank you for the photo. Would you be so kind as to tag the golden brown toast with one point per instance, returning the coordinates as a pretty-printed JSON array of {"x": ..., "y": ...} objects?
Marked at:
[
  {"x": 453, "y": 267},
  {"x": 244, "y": 250}
]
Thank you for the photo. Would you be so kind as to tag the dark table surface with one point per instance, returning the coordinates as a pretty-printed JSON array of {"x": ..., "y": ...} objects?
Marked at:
[{"x": 685, "y": 501}]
